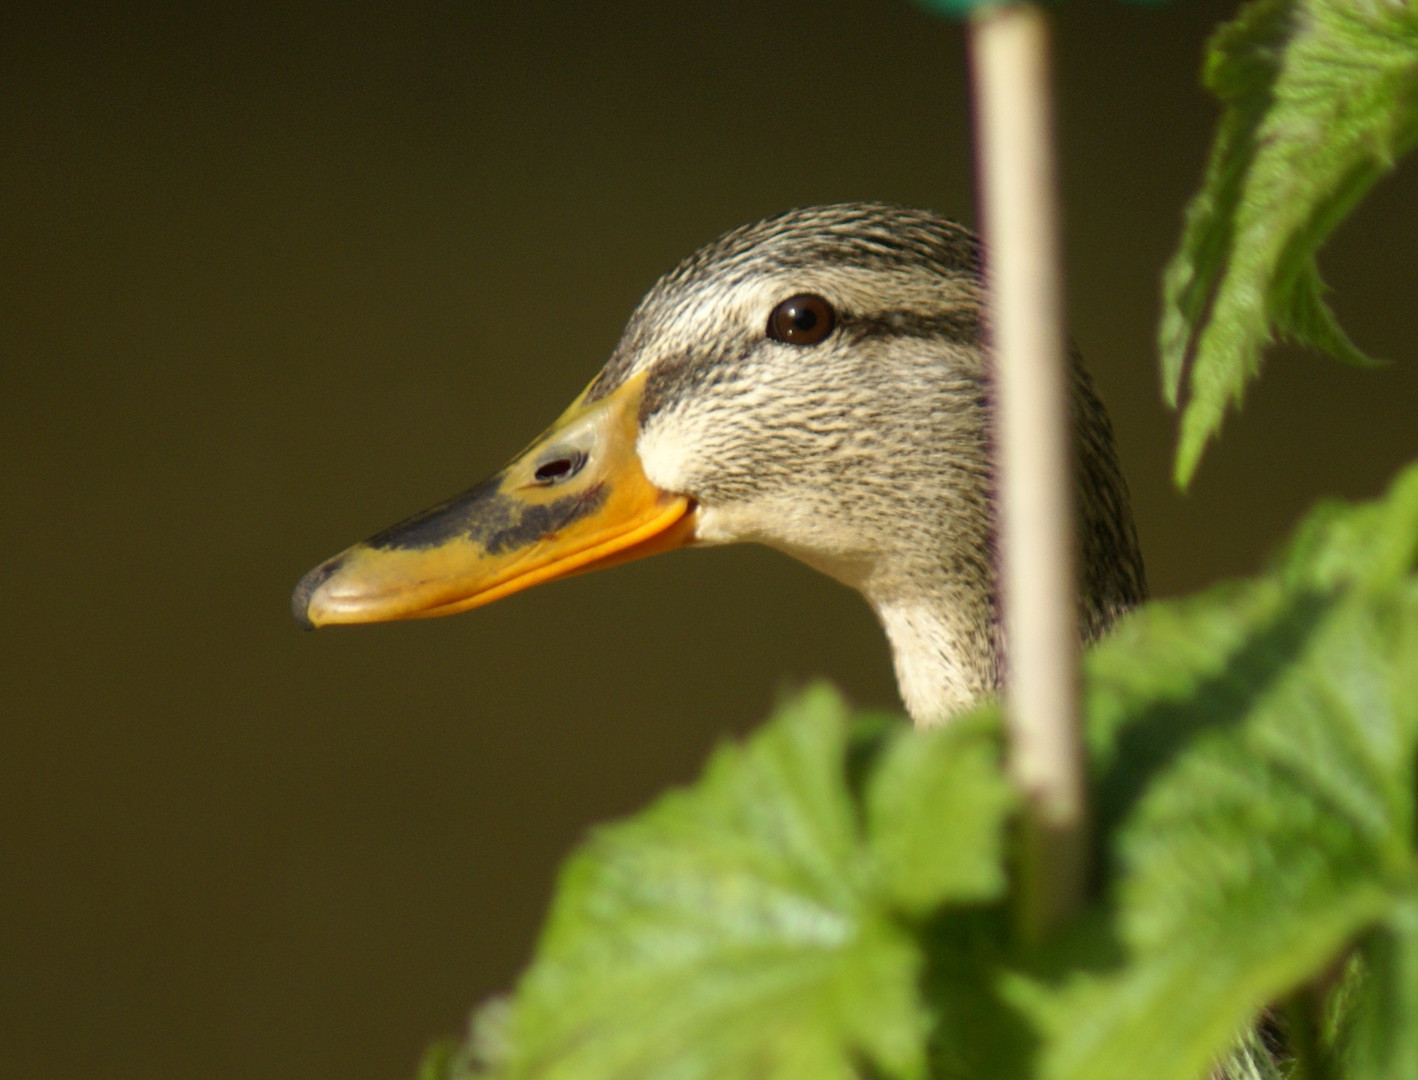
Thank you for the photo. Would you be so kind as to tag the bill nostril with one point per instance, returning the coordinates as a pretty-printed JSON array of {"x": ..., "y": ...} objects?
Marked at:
[{"x": 559, "y": 468}]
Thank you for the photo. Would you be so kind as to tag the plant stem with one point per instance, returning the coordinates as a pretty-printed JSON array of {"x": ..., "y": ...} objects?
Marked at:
[
  {"x": 1019, "y": 216},
  {"x": 1303, "y": 1013}
]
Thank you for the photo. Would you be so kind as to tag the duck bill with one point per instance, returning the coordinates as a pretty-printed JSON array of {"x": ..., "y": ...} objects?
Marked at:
[{"x": 575, "y": 500}]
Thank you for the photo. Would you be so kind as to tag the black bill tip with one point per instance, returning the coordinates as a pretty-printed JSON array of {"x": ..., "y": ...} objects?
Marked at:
[{"x": 305, "y": 589}]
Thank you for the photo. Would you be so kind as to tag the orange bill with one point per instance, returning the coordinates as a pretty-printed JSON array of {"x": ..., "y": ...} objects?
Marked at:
[{"x": 576, "y": 500}]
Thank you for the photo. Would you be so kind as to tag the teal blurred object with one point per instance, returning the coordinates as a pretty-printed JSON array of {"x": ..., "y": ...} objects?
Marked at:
[{"x": 957, "y": 8}]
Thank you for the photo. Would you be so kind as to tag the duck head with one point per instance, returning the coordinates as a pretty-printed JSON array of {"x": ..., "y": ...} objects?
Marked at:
[{"x": 816, "y": 382}]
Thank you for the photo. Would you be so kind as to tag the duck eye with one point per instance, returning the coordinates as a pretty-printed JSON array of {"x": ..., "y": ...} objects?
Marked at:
[
  {"x": 804, "y": 319},
  {"x": 559, "y": 468}
]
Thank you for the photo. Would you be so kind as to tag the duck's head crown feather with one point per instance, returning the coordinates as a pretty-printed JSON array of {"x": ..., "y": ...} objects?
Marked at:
[{"x": 863, "y": 237}]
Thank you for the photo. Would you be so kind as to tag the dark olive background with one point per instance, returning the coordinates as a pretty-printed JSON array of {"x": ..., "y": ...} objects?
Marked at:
[{"x": 275, "y": 277}]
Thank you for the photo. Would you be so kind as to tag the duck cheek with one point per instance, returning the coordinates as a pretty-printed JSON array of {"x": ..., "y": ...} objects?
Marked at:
[{"x": 670, "y": 454}]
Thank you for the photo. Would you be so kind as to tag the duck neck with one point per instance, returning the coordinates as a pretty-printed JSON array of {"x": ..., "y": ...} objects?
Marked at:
[{"x": 944, "y": 646}]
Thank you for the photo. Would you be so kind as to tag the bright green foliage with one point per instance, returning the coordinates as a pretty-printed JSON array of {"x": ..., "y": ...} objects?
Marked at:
[
  {"x": 934, "y": 807},
  {"x": 1321, "y": 97},
  {"x": 1256, "y": 748},
  {"x": 759, "y": 924},
  {"x": 827, "y": 900}
]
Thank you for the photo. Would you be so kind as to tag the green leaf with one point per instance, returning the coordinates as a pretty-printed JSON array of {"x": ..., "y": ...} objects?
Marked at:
[
  {"x": 484, "y": 1051},
  {"x": 1255, "y": 751},
  {"x": 935, "y": 806},
  {"x": 754, "y": 925},
  {"x": 1373, "y": 545},
  {"x": 1320, "y": 99},
  {"x": 1383, "y": 1041},
  {"x": 441, "y": 1061}
]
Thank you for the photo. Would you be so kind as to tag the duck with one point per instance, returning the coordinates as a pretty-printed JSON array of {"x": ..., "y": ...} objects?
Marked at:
[{"x": 819, "y": 382}]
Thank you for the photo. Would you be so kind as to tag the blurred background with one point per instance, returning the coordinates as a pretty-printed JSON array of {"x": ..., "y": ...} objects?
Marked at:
[{"x": 275, "y": 277}]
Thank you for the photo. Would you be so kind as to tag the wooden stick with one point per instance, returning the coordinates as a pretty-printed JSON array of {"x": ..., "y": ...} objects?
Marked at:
[{"x": 1019, "y": 212}]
